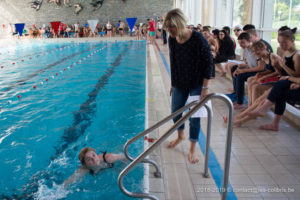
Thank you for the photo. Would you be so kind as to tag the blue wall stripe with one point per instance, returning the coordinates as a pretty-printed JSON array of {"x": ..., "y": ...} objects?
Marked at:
[{"x": 213, "y": 164}]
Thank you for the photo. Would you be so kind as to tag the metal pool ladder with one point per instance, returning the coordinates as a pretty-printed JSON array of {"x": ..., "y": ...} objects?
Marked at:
[{"x": 197, "y": 105}]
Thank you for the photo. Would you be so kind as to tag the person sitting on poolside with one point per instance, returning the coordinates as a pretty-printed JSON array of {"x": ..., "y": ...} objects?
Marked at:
[{"x": 92, "y": 163}]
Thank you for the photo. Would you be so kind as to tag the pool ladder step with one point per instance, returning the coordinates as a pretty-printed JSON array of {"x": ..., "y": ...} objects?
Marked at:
[{"x": 142, "y": 157}]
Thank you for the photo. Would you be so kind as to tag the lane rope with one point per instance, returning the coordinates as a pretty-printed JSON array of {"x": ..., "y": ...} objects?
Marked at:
[
  {"x": 30, "y": 57},
  {"x": 35, "y": 86}
]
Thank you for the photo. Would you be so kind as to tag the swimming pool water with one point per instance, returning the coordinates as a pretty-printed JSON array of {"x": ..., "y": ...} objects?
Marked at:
[{"x": 87, "y": 94}]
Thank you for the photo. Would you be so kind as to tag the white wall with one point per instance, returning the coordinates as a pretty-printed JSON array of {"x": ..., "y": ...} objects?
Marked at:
[{"x": 192, "y": 10}]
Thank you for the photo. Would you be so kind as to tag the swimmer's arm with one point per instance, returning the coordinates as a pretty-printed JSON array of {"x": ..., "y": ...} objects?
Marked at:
[
  {"x": 81, "y": 172},
  {"x": 110, "y": 157}
]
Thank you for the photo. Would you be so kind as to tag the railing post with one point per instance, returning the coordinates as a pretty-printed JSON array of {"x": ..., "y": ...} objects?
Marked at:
[
  {"x": 208, "y": 133},
  {"x": 228, "y": 148}
]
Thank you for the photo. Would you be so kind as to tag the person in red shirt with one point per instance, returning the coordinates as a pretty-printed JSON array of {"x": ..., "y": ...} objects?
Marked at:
[
  {"x": 151, "y": 30},
  {"x": 61, "y": 30}
]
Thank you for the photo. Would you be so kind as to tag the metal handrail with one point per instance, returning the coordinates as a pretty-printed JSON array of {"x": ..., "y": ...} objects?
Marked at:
[
  {"x": 157, "y": 173},
  {"x": 198, "y": 105}
]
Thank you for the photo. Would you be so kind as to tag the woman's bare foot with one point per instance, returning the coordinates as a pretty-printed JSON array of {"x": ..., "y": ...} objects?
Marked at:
[
  {"x": 243, "y": 109},
  {"x": 179, "y": 139},
  {"x": 173, "y": 143},
  {"x": 192, "y": 158},
  {"x": 192, "y": 154},
  {"x": 223, "y": 74},
  {"x": 237, "y": 124},
  {"x": 269, "y": 127},
  {"x": 256, "y": 113}
]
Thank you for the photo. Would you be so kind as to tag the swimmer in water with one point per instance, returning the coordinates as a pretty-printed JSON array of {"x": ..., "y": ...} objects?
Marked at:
[{"x": 92, "y": 163}]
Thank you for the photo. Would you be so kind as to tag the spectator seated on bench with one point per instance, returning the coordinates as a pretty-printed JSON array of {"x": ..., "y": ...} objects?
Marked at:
[{"x": 226, "y": 51}]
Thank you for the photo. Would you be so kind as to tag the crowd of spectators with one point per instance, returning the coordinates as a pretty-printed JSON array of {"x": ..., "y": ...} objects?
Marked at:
[
  {"x": 273, "y": 78},
  {"x": 140, "y": 31}
]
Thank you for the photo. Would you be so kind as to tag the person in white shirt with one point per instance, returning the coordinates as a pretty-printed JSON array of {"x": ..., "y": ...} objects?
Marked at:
[{"x": 109, "y": 29}]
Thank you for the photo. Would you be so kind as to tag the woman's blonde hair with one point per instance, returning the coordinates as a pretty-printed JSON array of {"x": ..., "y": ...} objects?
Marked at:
[
  {"x": 82, "y": 153},
  {"x": 175, "y": 18}
]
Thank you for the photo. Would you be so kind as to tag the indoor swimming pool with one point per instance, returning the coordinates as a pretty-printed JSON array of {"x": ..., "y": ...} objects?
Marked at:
[{"x": 57, "y": 98}]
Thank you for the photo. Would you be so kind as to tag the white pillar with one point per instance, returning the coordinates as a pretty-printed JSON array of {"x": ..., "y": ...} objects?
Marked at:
[
  {"x": 198, "y": 10},
  {"x": 267, "y": 22},
  {"x": 257, "y": 13},
  {"x": 290, "y": 12},
  {"x": 230, "y": 13},
  {"x": 193, "y": 13}
]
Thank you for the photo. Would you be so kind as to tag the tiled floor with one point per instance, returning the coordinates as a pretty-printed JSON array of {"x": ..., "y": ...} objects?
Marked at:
[{"x": 264, "y": 164}]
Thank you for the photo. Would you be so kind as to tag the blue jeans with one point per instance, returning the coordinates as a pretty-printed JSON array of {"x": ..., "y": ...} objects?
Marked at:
[
  {"x": 281, "y": 93},
  {"x": 179, "y": 98},
  {"x": 239, "y": 83}
]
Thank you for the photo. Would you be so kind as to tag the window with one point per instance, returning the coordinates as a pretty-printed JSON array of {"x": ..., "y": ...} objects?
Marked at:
[
  {"x": 242, "y": 10},
  {"x": 285, "y": 13},
  {"x": 266, "y": 15}
]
